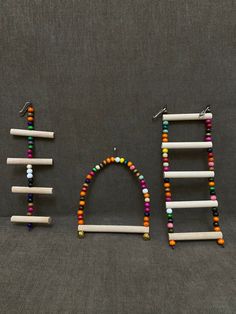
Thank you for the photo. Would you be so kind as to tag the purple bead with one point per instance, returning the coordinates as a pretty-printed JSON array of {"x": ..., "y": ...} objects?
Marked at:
[
  {"x": 168, "y": 199},
  {"x": 147, "y": 204}
]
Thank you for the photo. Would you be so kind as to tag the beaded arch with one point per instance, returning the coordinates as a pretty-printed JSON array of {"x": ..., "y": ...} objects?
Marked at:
[{"x": 82, "y": 227}]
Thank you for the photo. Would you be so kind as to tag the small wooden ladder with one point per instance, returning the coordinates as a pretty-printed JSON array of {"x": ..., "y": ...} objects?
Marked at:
[{"x": 205, "y": 116}]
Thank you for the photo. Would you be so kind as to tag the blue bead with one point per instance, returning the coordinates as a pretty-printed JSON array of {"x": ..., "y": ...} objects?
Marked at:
[{"x": 30, "y": 225}]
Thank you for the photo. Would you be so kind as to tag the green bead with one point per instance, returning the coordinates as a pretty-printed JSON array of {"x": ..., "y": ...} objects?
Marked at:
[
  {"x": 212, "y": 188},
  {"x": 165, "y": 122},
  {"x": 30, "y": 138},
  {"x": 170, "y": 215},
  {"x": 30, "y": 146},
  {"x": 94, "y": 169},
  {"x": 30, "y": 127}
]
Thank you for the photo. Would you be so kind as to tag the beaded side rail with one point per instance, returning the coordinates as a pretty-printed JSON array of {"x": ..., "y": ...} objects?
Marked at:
[
  {"x": 210, "y": 174},
  {"x": 82, "y": 228},
  {"x": 30, "y": 133}
]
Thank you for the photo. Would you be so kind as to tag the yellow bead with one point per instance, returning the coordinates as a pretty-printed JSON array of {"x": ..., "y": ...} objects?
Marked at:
[
  {"x": 122, "y": 160},
  {"x": 146, "y": 236},
  {"x": 165, "y": 150},
  {"x": 81, "y": 234}
]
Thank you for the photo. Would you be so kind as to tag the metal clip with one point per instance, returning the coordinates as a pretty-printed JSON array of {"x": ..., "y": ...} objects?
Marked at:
[
  {"x": 24, "y": 108},
  {"x": 203, "y": 112},
  {"x": 115, "y": 150},
  {"x": 164, "y": 109}
]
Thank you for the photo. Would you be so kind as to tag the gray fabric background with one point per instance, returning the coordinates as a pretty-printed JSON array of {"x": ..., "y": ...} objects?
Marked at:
[{"x": 97, "y": 71}]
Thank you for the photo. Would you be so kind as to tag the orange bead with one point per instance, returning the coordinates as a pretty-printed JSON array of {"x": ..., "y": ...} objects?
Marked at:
[
  {"x": 211, "y": 159},
  {"x": 108, "y": 160},
  {"x": 80, "y": 212},
  {"x": 80, "y": 222},
  {"x": 164, "y": 135},
  {"x": 217, "y": 229},
  {"x": 172, "y": 243},
  {"x": 216, "y": 219},
  {"x": 221, "y": 241},
  {"x": 168, "y": 194},
  {"x": 211, "y": 183},
  {"x": 146, "y": 224},
  {"x": 30, "y": 119},
  {"x": 147, "y": 195},
  {"x": 89, "y": 177},
  {"x": 146, "y": 218},
  {"x": 166, "y": 185},
  {"x": 129, "y": 164},
  {"x": 30, "y": 109},
  {"x": 112, "y": 159},
  {"x": 82, "y": 203},
  {"x": 164, "y": 140}
]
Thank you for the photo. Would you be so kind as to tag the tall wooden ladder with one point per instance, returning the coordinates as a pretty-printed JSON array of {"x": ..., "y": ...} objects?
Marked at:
[{"x": 168, "y": 175}]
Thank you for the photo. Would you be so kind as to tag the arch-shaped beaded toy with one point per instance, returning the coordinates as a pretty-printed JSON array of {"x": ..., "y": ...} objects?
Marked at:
[{"x": 130, "y": 229}]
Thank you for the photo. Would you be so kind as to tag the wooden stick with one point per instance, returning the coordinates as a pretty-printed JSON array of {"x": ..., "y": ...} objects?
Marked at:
[
  {"x": 31, "y": 219},
  {"x": 33, "y": 190},
  {"x": 110, "y": 228},
  {"x": 185, "y": 145},
  {"x": 30, "y": 161},
  {"x": 186, "y": 116},
  {"x": 189, "y": 174},
  {"x": 191, "y": 204},
  {"x": 21, "y": 132},
  {"x": 180, "y": 236}
]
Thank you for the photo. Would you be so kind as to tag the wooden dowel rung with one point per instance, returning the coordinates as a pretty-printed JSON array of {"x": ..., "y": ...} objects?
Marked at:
[
  {"x": 31, "y": 190},
  {"x": 111, "y": 228},
  {"x": 30, "y": 161},
  {"x": 34, "y": 133},
  {"x": 181, "y": 236},
  {"x": 186, "y": 145},
  {"x": 189, "y": 174},
  {"x": 186, "y": 117},
  {"x": 191, "y": 204},
  {"x": 31, "y": 219}
]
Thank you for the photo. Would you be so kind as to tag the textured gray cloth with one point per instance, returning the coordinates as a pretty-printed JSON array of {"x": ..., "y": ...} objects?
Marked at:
[{"x": 97, "y": 71}]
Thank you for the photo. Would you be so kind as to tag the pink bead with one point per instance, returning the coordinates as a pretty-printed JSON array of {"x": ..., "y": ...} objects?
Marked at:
[
  {"x": 208, "y": 120},
  {"x": 213, "y": 197},
  {"x": 168, "y": 199},
  {"x": 84, "y": 189},
  {"x": 147, "y": 204},
  {"x": 142, "y": 182},
  {"x": 166, "y": 168},
  {"x": 211, "y": 168},
  {"x": 30, "y": 209},
  {"x": 30, "y": 151},
  {"x": 165, "y": 159},
  {"x": 30, "y": 155},
  {"x": 170, "y": 225},
  {"x": 211, "y": 164},
  {"x": 147, "y": 210},
  {"x": 210, "y": 154},
  {"x": 208, "y": 139},
  {"x": 91, "y": 173},
  {"x": 80, "y": 217},
  {"x": 132, "y": 167},
  {"x": 208, "y": 126}
]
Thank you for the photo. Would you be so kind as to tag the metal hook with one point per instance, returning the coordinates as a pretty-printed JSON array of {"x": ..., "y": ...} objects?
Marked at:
[
  {"x": 164, "y": 109},
  {"x": 24, "y": 108},
  {"x": 203, "y": 112},
  {"x": 115, "y": 149}
]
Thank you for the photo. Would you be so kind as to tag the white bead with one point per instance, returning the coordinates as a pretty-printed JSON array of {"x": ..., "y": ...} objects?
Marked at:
[
  {"x": 141, "y": 177},
  {"x": 29, "y": 171},
  {"x": 145, "y": 191},
  {"x": 29, "y": 166},
  {"x": 29, "y": 175},
  {"x": 169, "y": 211},
  {"x": 165, "y": 164},
  {"x": 98, "y": 167},
  {"x": 147, "y": 199},
  {"x": 165, "y": 155},
  {"x": 117, "y": 159}
]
